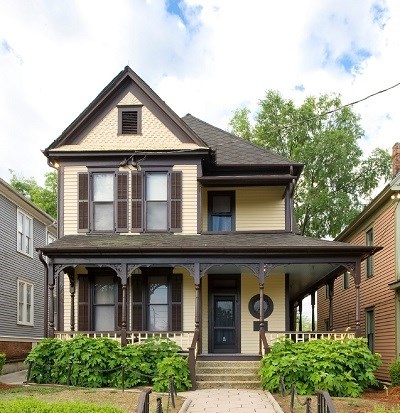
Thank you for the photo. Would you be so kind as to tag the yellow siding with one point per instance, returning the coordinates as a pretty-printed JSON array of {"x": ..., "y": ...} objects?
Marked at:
[
  {"x": 189, "y": 198},
  {"x": 189, "y": 302},
  {"x": 104, "y": 135},
  {"x": 70, "y": 198},
  {"x": 257, "y": 208},
  {"x": 275, "y": 288}
]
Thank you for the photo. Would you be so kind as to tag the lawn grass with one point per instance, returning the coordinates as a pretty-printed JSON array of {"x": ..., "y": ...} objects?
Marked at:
[{"x": 126, "y": 401}]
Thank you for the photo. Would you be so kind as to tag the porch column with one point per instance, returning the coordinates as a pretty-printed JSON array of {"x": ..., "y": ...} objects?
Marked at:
[
  {"x": 123, "y": 274},
  {"x": 46, "y": 295},
  {"x": 262, "y": 324},
  {"x": 301, "y": 315},
  {"x": 51, "y": 301},
  {"x": 357, "y": 282},
  {"x": 313, "y": 311},
  {"x": 330, "y": 295},
  {"x": 71, "y": 277}
]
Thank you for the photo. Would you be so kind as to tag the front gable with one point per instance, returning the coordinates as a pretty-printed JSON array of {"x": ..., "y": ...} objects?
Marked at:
[{"x": 98, "y": 128}]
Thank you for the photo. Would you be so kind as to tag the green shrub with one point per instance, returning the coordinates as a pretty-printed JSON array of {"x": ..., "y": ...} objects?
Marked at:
[
  {"x": 89, "y": 362},
  {"x": 2, "y": 361},
  {"x": 394, "y": 373},
  {"x": 344, "y": 368},
  {"x": 156, "y": 349},
  {"x": 37, "y": 406},
  {"x": 175, "y": 366},
  {"x": 42, "y": 358}
]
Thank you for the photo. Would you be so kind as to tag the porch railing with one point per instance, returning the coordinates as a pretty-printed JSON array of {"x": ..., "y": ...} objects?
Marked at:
[
  {"x": 302, "y": 336},
  {"x": 182, "y": 338}
]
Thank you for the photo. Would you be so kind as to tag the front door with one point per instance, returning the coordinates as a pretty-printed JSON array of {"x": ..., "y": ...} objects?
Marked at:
[{"x": 224, "y": 331}]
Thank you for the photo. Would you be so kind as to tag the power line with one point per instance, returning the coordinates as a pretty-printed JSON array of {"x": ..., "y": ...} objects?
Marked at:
[{"x": 339, "y": 108}]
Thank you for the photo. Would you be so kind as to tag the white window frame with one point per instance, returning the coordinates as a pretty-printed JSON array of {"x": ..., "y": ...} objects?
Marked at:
[
  {"x": 25, "y": 243},
  {"x": 23, "y": 310}
]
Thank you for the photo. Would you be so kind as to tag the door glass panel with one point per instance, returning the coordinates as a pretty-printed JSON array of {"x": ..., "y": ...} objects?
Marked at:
[{"x": 224, "y": 313}]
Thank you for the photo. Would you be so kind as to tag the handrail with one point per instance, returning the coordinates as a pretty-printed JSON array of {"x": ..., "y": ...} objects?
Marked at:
[
  {"x": 143, "y": 402},
  {"x": 264, "y": 342},
  {"x": 192, "y": 358},
  {"x": 324, "y": 402}
]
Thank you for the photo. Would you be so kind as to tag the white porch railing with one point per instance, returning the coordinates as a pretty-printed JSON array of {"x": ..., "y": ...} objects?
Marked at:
[
  {"x": 301, "y": 336},
  {"x": 181, "y": 338}
]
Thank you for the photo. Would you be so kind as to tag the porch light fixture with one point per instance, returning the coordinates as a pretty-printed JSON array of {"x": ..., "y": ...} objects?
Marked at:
[{"x": 396, "y": 196}]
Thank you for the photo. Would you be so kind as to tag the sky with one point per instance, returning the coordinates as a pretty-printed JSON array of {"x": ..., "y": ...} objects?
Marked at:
[{"x": 204, "y": 57}]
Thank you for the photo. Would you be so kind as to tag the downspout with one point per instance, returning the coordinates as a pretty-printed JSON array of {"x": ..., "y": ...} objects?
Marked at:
[{"x": 46, "y": 294}]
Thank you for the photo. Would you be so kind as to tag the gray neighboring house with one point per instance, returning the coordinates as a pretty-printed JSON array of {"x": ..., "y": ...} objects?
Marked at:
[{"x": 23, "y": 227}]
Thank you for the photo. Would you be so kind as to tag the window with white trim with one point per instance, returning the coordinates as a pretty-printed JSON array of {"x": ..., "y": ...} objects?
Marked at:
[
  {"x": 25, "y": 303},
  {"x": 24, "y": 233}
]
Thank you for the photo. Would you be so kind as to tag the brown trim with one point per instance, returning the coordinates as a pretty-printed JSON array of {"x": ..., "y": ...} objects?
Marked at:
[
  {"x": 83, "y": 202},
  {"x": 60, "y": 203},
  {"x": 246, "y": 180},
  {"x": 129, "y": 108},
  {"x": 125, "y": 81}
]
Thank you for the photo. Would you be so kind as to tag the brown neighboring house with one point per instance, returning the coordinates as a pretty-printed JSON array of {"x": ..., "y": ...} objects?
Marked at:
[
  {"x": 172, "y": 227},
  {"x": 379, "y": 288}
]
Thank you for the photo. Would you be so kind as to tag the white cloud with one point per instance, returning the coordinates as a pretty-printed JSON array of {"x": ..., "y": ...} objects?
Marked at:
[{"x": 55, "y": 57}]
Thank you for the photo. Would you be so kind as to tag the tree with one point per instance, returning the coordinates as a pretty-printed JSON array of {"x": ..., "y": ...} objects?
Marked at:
[
  {"x": 43, "y": 197},
  {"x": 337, "y": 180}
]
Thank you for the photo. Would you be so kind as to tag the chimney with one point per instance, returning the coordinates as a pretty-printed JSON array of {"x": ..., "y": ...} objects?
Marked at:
[{"x": 395, "y": 159}]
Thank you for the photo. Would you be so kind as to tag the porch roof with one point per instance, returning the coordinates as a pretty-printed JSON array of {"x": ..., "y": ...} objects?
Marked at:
[{"x": 265, "y": 244}]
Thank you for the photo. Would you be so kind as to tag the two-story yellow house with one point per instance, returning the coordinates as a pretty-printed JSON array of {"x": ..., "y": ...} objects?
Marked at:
[{"x": 171, "y": 226}]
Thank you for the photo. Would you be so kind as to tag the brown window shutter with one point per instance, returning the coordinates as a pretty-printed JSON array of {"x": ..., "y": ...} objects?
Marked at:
[
  {"x": 122, "y": 202},
  {"x": 176, "y": 302},
  {"x": 83, "y": 202},
  {"x": 83, "y": 303},
  {"x": 176, "y": 201},
  {"x": 137, "y": 303},
  {"x": 137, "y": 202},
  {"x": 130, "y": 123}
]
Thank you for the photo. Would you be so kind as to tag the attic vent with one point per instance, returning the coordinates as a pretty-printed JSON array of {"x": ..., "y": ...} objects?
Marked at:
[{"x": 129, "y": 120}]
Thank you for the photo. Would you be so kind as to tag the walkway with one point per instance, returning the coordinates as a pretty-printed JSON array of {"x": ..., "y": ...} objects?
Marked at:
[
  {"x": 14, "y": 378},
  {"x": 229, "y": 400}
]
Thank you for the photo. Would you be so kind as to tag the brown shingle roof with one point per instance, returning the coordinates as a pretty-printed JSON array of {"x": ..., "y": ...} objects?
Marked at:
[
  {"x": 237, "y": 243},
  {"x": 231, "y": 149}
]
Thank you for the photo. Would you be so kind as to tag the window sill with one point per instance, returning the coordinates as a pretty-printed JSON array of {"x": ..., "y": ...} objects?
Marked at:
[
  {"x": 21, "y": 323},
  {"x": 24, "y": 253}
]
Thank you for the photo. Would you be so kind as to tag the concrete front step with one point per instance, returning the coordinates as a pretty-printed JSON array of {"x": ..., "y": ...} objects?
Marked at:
[
  {"x": 227, "y": 374},
  {"x": 254, "y": 385}
]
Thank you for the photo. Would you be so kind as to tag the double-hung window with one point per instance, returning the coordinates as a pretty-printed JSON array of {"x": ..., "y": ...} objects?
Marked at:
[
  {"x": 370, "y": 328},
  {"x": 157, "y": 300},
  {"x": 25, "y": 303},
  {"x": 99, "y": 301},
  {"x": 103, "y": 201},
  {"x": 157, "y": 201},
  {"x": 221, "y": 211},
  {"x": 369, "y": 240},
  {"x": 24, "y": 233}
]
